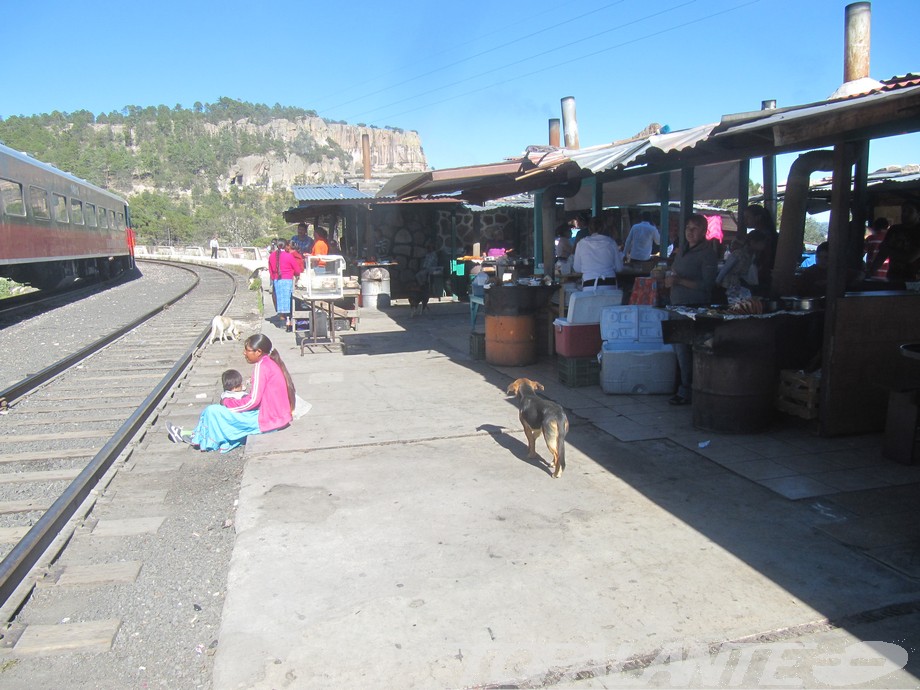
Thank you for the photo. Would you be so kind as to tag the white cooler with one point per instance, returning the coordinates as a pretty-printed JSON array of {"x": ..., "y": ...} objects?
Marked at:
[
  {"x": 638, "y": 371},
  {"x": 634, "y": 358},
  {"x": 585, "y": 306}
]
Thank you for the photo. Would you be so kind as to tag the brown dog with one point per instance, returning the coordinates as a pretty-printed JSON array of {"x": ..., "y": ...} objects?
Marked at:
[{"x": 540, "y": 414}]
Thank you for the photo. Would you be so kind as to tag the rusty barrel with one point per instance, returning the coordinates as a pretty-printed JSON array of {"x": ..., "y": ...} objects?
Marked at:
[
  {"x": 511, "y": 340},
  {"x": 733, "y": 392}
]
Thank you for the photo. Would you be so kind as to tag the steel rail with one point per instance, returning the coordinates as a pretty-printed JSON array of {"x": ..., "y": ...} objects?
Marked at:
[
  {"x": 15, "y": 568},
  {"x": 17, "y": 390}
]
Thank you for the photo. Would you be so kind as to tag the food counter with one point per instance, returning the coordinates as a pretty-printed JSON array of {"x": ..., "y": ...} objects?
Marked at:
[{"x": 736, "y": 361}]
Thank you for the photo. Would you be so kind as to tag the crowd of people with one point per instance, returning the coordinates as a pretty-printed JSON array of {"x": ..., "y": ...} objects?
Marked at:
[{"x": 697, "y": 273}]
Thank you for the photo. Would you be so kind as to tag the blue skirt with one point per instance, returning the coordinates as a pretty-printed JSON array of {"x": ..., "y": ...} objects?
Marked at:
[
  {"x": 220, "y": 429},
  {"x": 283, "y": 288}
]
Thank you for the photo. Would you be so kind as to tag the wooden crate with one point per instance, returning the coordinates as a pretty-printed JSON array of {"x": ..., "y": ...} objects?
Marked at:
[{"x": 798, "y": 393}]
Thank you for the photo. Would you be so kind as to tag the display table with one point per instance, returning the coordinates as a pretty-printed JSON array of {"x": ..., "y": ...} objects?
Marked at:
[
  {"x": 318, "y": 318},
  {"x": 313, "y": 308}
]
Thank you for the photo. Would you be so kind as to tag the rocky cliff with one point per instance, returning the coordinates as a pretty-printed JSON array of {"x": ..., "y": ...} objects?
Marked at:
[{"x": 391, "y": 152}]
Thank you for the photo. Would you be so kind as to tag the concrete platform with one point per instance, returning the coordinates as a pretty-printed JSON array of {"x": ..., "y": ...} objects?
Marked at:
[{"x": 398, "y": 537}]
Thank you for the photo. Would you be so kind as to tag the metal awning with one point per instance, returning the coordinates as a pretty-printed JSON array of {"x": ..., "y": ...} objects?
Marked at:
[{"x": 329, "y": 192}]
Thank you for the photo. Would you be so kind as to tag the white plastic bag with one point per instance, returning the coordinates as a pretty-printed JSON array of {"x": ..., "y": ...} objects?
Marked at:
[{"x": 301, "y": 407}]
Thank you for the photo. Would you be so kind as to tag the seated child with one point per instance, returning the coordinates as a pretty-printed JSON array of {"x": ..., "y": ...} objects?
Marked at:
[
  {"x": 739, "y": 273},
  {"x": 233, "y": 395}
]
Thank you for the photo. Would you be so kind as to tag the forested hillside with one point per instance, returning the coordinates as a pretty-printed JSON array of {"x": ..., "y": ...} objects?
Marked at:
[{"x": 182, "y": 170}]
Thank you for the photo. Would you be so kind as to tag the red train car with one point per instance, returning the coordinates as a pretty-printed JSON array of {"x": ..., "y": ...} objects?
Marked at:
[{"x": 56, "y": 228}]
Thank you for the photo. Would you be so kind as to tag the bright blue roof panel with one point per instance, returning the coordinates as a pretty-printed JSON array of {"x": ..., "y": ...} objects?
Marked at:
[{"x": 328, "y": 192}]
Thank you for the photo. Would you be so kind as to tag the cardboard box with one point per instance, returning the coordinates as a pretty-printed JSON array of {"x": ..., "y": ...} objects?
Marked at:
[
  {"x": 577, "y": 339},
  {"x": 625, "y": 372}
]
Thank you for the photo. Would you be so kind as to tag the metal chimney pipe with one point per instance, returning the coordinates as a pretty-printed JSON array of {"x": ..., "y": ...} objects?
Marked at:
[
  {"x": 857, "y": 41},
  {"x": 569, "y": 123},
  {"x": 554, "y": 132},
  {"x": 769, "y": 170},
  {"x": 366, "y": 153}
]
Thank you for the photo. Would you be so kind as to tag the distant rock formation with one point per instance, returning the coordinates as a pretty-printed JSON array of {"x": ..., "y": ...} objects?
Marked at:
[{"x": 391, "y": 152}]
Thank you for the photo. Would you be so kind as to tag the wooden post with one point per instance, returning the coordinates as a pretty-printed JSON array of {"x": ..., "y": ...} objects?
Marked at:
[
  {"x": 838, "y": 230},
  {"x": 744, "y": 181},
  {"x": 686, "y": 199},
  {"x": 664, "y": 220}
]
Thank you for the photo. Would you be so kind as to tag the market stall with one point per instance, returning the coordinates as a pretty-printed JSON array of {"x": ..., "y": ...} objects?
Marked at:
[{"x": 737, "y": 358}]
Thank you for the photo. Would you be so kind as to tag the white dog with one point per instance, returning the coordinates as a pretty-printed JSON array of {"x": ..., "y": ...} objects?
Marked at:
[{"x": 224, "y": 326}]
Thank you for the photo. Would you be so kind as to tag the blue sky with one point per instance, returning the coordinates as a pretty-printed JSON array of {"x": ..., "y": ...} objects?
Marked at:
[{"x": 478, "y": 80}]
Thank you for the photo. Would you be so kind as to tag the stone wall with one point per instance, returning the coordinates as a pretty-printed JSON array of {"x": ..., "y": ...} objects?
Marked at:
[{"x": 405, "y": 230}]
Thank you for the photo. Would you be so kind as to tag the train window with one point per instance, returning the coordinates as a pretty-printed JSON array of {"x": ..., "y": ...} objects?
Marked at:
[
  {"x": 121, "y": 220},
  {"x": 60, "y": 208},
  {"x": 102, "y": 218},
  {"x": 112, "y": 223},
  {"x": 11, "y": 196},
  {"x": 76, "y": 212},
  {"x": 38, "y": 200},
  {"x": 89, "y": 213}
]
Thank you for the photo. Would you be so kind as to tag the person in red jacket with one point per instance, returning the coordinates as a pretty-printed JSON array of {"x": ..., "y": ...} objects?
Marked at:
[{"x": 282, "y": 267}]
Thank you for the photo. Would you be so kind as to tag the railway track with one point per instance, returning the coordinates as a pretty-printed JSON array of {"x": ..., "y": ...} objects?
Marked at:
[{"x": 69, "y": 426}]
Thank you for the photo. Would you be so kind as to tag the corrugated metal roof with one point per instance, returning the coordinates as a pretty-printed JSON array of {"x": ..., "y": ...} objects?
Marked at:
[
  {"x": 515, "y": 201},
  {"x": 328, "y": 192},
  {"x": 891, "y": 176},
  {"x": 892, "y": 109},
  {"x": 816, "y": 111},
  {"x": 603, "y": 157}
]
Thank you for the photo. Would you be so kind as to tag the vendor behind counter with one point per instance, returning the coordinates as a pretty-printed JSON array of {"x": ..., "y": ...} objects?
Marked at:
[{"x": 597, "y": 257}]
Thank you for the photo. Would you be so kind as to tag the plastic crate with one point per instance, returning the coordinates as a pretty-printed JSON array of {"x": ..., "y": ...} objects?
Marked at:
[
  {"x": 478, "y": 345},
  {"x": 576, "y": 372},
  {"x": 798, "y": 393}
]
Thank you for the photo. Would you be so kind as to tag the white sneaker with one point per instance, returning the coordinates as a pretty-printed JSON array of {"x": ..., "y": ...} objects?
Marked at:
[{"x": 175, "y": 433}]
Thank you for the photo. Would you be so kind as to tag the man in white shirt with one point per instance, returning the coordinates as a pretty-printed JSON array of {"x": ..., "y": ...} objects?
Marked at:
[
  {"x": 597, "y": 257},
  {"x": 640, "y": 239}
]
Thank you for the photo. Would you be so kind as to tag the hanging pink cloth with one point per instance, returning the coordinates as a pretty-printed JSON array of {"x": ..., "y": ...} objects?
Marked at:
[{"x": 714, "y": 228}]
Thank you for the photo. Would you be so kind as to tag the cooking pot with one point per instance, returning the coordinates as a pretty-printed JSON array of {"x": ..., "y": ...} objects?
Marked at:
[
  {"x": 772, "y": 305},
  {"x": 803, "y": 303}
]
